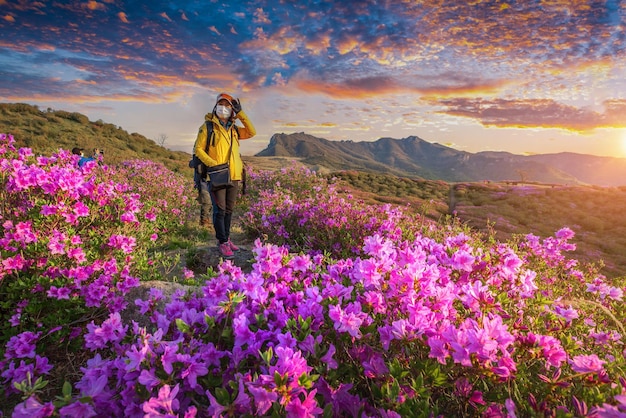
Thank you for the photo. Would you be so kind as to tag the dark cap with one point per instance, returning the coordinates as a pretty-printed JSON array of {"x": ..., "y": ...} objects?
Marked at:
[{"x": 77, "y": 150}]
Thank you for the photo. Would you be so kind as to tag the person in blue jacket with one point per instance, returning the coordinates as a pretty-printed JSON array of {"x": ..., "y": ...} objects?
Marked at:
[{"x": 83, "y": 159}]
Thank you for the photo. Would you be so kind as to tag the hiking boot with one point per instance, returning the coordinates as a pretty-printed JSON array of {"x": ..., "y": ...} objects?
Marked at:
[
  {"x": 225, "y": 250},
  {"x": 233, "y": 247}
]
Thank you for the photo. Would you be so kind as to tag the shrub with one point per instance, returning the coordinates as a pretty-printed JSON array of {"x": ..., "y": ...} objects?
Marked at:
[{"x": 413, "y": 319}]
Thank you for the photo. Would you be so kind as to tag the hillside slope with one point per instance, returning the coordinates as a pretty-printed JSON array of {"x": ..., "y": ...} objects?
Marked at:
[{"x": 45, "y": 132}]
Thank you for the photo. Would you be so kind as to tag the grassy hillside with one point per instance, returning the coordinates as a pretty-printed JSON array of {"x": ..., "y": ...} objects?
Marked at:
[{"x": 47, "y": 131}]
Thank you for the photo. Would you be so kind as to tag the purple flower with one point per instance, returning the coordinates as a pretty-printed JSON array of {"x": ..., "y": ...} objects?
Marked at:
[
  {"x": 22, "y": 345},
  {"x": 169, "y": 356},
  {"x": 328, "y": 358},
  {"x": 59, "y": 293},
  {"x": 192, "y": 370},
  {"x": 215, "y": 409},
  {"x": 566, "y": 313},
  {"x": 148, "y": 379},
  {"x": 32, "y": 408},
  {"x": 111, "y": 330},
  {"x": 135, "y": 357},
  {"x": 564, "y": 234},
  {"x": 78, "y": 409}
]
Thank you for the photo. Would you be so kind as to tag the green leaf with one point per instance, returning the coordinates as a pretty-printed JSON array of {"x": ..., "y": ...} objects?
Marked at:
[
  {"x": 67, "y": 389},
  {"x": 267, "y": 355},
  {"x": 182, "y": 326},
  {"x": 222, "y": 396}
]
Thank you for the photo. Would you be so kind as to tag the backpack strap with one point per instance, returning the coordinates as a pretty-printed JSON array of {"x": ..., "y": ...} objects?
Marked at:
[{"x": 210, "y": 135}]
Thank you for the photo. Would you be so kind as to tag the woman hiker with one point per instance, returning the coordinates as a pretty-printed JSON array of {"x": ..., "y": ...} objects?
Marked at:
[{"x": 219, "y": 145}]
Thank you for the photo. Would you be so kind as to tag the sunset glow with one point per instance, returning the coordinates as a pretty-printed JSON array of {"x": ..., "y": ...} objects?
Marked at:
[{"x": 526, "y": 77}]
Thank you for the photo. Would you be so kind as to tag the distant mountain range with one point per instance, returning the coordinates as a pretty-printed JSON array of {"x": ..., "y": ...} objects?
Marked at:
[{"x": 414, "y": 157}]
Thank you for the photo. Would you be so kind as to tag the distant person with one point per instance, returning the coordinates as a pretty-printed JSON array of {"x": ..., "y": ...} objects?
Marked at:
[
  {"x": 83, "y": 160},
  {"x": 204, "y": 198},
  {"x": 220, "y": 147}
]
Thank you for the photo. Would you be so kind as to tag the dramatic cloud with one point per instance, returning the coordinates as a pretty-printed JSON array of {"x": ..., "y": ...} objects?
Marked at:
[{"x": 557, "y": 64}]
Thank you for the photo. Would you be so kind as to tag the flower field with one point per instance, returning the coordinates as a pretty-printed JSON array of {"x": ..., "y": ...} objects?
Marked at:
[{"x": 350, "y": 310}]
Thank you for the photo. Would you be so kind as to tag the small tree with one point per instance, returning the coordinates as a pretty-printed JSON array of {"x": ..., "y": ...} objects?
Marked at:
[
  {"x": 523, "y": 175},
  {"x": 162, "y": 138}
]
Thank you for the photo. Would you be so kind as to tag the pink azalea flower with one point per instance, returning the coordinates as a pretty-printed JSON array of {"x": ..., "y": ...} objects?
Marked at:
[
  {"x": 165, "y": 404},
  {"x": 297, "y": 408},
  {"x": 587, "y": 364}
]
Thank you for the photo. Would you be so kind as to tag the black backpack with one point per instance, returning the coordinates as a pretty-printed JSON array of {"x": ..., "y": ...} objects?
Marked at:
[{"x": 195, "y": 163}]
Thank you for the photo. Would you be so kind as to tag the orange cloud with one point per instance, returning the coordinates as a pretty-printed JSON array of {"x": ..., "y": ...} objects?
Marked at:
[
  {"x": 9, "y": 18},
  {"x": 260, "y": 17},
  {"x": 122, "y": 16},
  {"x": 94, "y": 5},
  {"x": 542, "y": 113},
  {"x": 165, "y": 16},
  {"x": 368, "y": 87}
]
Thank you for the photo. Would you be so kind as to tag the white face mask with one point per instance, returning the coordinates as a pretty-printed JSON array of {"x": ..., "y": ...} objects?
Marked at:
[{"x": 223, "y": 112}]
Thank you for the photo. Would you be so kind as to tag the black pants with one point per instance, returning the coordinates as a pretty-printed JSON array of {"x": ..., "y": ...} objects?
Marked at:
[
  {"x": 205, "y": 201},
  {"x": 223, "y": 205}
]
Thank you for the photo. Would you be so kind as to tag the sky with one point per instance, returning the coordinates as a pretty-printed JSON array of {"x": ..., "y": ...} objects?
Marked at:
[{"x": 527, "y": 77}]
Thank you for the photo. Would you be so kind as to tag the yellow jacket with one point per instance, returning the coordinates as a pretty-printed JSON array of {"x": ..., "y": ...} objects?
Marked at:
[{"x": 217, "y": 154}]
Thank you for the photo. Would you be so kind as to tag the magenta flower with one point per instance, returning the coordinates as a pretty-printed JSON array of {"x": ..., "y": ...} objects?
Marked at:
[
  {"x": 587, "y": 364},
  {"x": 16, "y": 262},
  {"x": 463, "y": 260},
  {"x": 165, "y": 405},
  {"x": 552, "y": 350},
  {"x": 297, "y": 408},
  {"x": 346, "y": 321},
  {"x": 121, "y": 242},
  {"x": 23, "y": 233}
]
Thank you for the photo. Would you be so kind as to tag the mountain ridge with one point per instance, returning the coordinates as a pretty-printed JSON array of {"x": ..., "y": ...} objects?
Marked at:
[{"x": 415, "y": 157}]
